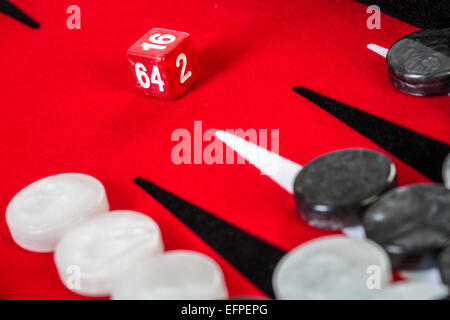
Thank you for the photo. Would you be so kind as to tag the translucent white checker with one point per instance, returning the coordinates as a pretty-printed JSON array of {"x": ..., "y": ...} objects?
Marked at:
[
  {"x": 333, "y": 267},
  {"x": 43, "y": 211},
  {"x": 176, "y": 274},
  {"x": 102, "y": 249},
  {"x": 446, "y": 172},
  {"x": 411, "y": 290}
]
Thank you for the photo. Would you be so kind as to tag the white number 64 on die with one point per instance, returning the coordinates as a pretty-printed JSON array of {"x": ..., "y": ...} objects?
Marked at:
[{"x": 143, "y": 79}]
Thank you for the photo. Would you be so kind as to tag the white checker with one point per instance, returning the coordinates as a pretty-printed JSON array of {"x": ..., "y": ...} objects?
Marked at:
[
  {"x": 446, "y": 171},
  {"x": 332, "y": 267},
  {"x": 102, "y": 249},
  {"x": 42, "y": 212},
  {"x": 176, "y": 274}
]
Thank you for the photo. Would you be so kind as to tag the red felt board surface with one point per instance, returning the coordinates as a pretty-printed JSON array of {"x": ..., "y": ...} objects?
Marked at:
[{"x": 68, "y": 104}]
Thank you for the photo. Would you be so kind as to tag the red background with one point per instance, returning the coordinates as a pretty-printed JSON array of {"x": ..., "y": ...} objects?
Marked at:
[{"x": 68, "y": 105}]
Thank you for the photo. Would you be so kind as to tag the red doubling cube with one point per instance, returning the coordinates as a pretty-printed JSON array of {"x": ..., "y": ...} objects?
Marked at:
[{"x": 163, "y": 63}]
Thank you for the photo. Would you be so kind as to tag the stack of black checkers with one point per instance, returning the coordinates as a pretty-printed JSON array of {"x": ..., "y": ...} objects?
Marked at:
[
  {"x": 419, "y": 63},
  {"x": 411, "y": 224}
]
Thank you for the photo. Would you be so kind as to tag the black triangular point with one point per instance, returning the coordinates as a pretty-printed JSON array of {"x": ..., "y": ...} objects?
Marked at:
[
  {"x": 252, "y": 256},
  {"x": 422, "y": 153},
  {"x": 14, "y": 12}
]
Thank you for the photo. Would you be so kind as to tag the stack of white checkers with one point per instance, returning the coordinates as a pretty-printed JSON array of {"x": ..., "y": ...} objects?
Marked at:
[{"x": 106, "y": 253}]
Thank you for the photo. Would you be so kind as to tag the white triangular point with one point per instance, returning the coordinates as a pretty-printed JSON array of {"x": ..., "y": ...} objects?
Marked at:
[
  {"x": 378, "y": 49},
  {"x": 281, "y": 170},
  {"x": 355, "y": 232},
  {"x": 284, "y": 171}
]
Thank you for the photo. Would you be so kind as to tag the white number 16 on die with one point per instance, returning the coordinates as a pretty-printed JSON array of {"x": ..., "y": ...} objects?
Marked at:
[{"x": 158, "y": 41}]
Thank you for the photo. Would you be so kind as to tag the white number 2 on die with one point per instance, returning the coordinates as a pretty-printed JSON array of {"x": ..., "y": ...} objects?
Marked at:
[
  {"x": 143, "y": 79},
  {"x": 183, "y": 75}
]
